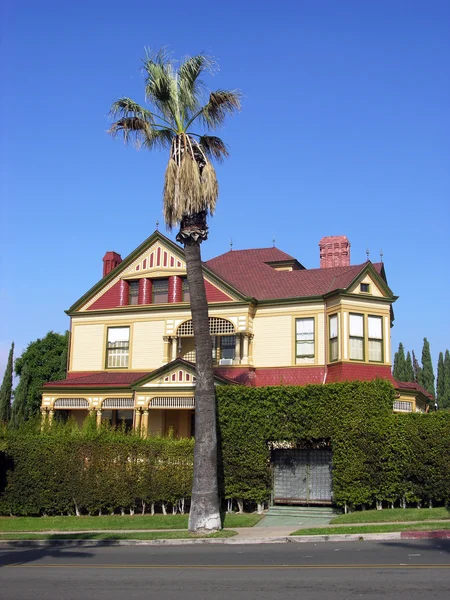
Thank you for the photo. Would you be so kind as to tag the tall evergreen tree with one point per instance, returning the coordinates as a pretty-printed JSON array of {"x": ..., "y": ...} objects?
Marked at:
[
  {"x": 440, "y": 382},
  {"x": 6, "y": 389},
  {"x": 446, "y": 401},
  {"x": 19, "y": 410},
  {"x": 399, "y": 370},
  {"x": 409, "y": 371},
  {"x": 416, "y": 368},
  {"x": 426, "y": 379}
]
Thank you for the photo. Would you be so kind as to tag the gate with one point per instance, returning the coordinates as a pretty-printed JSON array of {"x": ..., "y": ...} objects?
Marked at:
[{"x": 302, "y": 476}]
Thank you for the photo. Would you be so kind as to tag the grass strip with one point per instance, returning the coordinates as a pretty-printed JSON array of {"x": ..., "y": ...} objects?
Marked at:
[
  {"x": 393, "y": 515},
  {"x": 116, "y": 522},
  {"x": 152, "y": 535},
  {"x": 360, "y": 530}
]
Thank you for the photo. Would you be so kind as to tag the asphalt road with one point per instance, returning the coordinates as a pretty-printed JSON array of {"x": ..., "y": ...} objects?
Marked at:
[{"x": 323, "y": 571}]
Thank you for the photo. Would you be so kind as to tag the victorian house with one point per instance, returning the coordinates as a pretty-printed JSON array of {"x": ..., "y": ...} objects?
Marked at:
[{"x": 272, "y": 322}]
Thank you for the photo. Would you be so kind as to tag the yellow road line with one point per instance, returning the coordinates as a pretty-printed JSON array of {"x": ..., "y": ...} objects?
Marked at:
[{"x": 225, "y": 567}]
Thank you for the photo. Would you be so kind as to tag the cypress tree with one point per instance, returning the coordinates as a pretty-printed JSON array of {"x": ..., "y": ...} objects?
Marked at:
[
  {"x": 446, "y": 400},
  {"x": 416, "y": 368},
  {"x": 440, "y": 384},
  {"x": 409, "y": 371},
  {"x": 427, "y": 374},
  {"x": 6, "y": 389},
  {"x": 19, "y": 408},
  {"x": 399, "y": 371}
]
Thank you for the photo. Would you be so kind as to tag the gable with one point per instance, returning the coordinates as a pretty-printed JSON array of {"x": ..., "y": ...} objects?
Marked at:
[
  {"x": 373, "y": 288},
  {"x": 159, "y": 258},
  {"x": 176, "y": 377}
]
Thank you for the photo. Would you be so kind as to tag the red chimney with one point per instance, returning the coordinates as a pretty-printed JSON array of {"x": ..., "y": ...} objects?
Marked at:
[
  {"x": 110, "y": 262},
  {"x": 334, "y": 251}
]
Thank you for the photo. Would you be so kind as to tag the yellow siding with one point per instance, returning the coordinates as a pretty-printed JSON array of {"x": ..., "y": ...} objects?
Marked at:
[
  {"x": 87, "y": 349},
  {"x": 273, "y": 345},
  {"x": 147, "y": 352}
]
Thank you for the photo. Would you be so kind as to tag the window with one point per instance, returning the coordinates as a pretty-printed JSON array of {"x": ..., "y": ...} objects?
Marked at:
[
  {"x": 304, "y": 340},
  {"x": 186, "y": 293},
  {"x": 364, "y": 288},
  {"x": 160, "y": 291},
  {"x": 334, "y": 338},
  {"x": 227, "y": 346},
  {"x": 118, "y": 347},
  {"x": 133, "y": 292},
  {"x": 356, "y": 337},
  {"x": 375, "y": 329}
]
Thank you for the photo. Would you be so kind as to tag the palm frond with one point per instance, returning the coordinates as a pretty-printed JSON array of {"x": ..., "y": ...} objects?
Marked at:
[
  {"x": 134, "y": 130},
  {"x": 221, "y": 103},
  {"x": 158, "y": 138},
  {"x": 160, "y": 82},
  {"x": 126, "y": 107},
  {"x": 190, "y": 85},
  {"x": 210, "y": 188},
  {"x": 213, "y": 147}
]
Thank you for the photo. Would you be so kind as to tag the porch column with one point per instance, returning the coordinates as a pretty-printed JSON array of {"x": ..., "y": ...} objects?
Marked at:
[
  {"x": 237, "y": 351},
  {"x": 166, "y": 341},
  {"x": 174, "y": 348},
  {"x": 51, "y": 412},
  {"x": 250, "y": 349},
  {"x": 137, "y": 419},
  {"x": 99, "y": 417},
  {"x": 144, "y": 429},
  {"x": 43, "y": 417},
  {"x": 244, "y": 360}
]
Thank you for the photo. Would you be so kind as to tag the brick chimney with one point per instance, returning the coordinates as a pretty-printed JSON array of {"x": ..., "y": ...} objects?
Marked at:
[
  {"x": 334, "y": 251},
  {"x": 110, "y": 262}
]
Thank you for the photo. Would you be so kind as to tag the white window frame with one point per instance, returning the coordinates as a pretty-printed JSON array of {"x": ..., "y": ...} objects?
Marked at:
[
  {"x": 333, "y": 337},
  {"x": 306, "y": 339},
  {"x": 375, "y": 338},
  {"x": 355, "y": 335},
  {"x": 117, "y": 349}
]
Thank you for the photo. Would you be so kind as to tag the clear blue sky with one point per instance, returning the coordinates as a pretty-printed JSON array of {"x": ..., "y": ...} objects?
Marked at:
[{"x": 345, "y": 129}]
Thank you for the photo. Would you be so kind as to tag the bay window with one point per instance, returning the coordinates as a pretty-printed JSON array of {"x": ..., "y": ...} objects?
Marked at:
[
  {"x": 334, "y": 338},
  {"x": 356, "y": 337},
  {"x": 304, "y": 340},
  {"x": 375, "y": 335}
]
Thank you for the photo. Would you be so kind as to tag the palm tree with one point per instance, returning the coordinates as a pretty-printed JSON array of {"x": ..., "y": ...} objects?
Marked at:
[{"x": 174, "y": 94}]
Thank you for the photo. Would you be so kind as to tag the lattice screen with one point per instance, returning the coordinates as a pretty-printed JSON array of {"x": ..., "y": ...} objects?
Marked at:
[{"x": 217, "y": 326}]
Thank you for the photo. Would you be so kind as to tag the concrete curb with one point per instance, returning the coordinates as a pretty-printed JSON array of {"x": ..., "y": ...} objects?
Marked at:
[{"x": 236, "y": 541}]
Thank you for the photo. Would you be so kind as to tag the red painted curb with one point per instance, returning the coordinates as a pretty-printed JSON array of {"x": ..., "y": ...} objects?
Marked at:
[{"x": 418, "y": 535}]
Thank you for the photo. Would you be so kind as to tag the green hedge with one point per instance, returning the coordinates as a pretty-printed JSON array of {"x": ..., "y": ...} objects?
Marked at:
[
  {"x": 378, "y": 457},
  {"x": 70, "y": 471}
]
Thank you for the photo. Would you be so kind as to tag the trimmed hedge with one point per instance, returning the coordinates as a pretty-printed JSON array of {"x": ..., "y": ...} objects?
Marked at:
[
  {"x": 65, "y": 470},
  {"x": 378, "y": 457}
]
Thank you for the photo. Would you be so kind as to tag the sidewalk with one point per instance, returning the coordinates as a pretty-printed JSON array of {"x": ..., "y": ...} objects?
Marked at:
[{"x": 245, "y": 535}]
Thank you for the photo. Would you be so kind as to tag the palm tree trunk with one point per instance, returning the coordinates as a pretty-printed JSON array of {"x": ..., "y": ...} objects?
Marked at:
[{"x": 205, "y": 508}]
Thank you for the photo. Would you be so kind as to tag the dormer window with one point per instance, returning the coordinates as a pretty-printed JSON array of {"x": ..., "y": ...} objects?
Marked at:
[{"x": 364, "y": 288}]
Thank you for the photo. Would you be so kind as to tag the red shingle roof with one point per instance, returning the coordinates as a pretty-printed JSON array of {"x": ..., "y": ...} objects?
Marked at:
[
  {"x": 247, "y": 271},
  {"x": 413, "y": 386},
  {"x": 106, "y": 379}
]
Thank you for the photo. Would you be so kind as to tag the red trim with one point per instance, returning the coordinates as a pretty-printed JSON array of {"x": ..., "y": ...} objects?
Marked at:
[{"x": 175, "y": 289}]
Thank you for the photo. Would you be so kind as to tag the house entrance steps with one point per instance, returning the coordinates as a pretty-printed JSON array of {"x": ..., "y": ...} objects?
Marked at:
[{"x": 298, "y": 516}]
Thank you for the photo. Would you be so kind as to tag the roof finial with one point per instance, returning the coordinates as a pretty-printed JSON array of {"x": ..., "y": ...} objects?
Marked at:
[
  {"x": 367, "y": 253},
  {"x": 157, "y": 225},
  {"x": 273, "y": 243},
  {"x": 231, "y": 243},
  {"x": 381, "y": 255}
]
